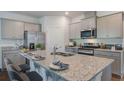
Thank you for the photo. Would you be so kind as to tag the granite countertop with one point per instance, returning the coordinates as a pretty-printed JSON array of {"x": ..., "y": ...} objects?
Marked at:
[
  {"x": 81, "y": 67},
  {"x": 109, "y": 50},
  {"x": 72, "y": 47}
]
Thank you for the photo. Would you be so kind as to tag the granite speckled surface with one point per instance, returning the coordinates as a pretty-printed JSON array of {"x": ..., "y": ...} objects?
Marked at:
[{"x": 81, "y": 67}]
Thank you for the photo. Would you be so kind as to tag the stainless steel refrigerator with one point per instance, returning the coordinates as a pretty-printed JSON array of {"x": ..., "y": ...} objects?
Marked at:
[{"x": 34, "y": 37}]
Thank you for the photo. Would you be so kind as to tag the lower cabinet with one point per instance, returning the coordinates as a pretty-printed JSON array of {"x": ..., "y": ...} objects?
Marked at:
[
  {"x": 107, "y": 74},
  {"x": 117, "y": 65},
  {"x": 104, "y": 75}
]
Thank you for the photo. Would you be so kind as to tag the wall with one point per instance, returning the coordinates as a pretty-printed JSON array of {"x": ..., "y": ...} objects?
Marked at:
[{"x": 56, "y": 28}]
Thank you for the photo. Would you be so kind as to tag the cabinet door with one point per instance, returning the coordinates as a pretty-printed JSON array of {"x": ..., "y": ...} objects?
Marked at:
[
  {"x": 116, "y": 67},
  {"x": 72, "y": 31},
  {"x": 84, "y": 24},
  {"x": 91, "y": 22},
  {"x": 88, "y": 23},
  {"x": 32, "y": 27},
  {"x": 102, "y": 27},
  {"x": 115, "y": 25},
  {"x": 110, "y": 26},
  {"x": 75, "y": 31},
  {"x": 12, "y": 29}
]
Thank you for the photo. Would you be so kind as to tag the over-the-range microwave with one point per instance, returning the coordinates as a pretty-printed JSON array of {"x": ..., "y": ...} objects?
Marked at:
[{"x": 91, "y": 33}]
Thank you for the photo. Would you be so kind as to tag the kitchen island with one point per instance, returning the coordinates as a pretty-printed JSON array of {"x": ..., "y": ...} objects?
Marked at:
[{"x": 81, "y": 67}]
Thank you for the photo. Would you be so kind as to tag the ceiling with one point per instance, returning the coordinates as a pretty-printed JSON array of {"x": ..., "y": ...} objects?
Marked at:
[{"x": 49, "y": 13}]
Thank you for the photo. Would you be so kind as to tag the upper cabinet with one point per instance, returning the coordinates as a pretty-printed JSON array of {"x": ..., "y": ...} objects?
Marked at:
[
  {"x": 84, "y": 24},
  {"x": 74, "y": 32},
  {"x": 110, "y": 26},
  {"x": 88, "y": 23},
  {"x": 11, "y": 29},
  {"x": 31, "y": 27}
]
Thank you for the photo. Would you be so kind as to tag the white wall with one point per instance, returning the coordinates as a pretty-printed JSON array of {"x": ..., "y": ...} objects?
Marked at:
[{"x": 57, "y": 31}]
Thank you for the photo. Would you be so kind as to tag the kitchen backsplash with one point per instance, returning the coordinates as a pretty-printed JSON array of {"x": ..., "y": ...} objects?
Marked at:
[
  {"x": 11, "y": 42},
  {"x": 105, "y": 41}
]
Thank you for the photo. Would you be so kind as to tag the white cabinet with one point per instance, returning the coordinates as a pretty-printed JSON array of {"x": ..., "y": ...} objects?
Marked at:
[
  {"x": 101, "y": 28},
  {"x": 88, "y": 23},
  {"x": 75, "y": 29},
  {"x": 72, "y": 31},
  {"x": 110, "y": 26},
  {"x": 12, "y": 29},
  {"x": 117, "y": 65},
  {"x": 32, "y": 27}
]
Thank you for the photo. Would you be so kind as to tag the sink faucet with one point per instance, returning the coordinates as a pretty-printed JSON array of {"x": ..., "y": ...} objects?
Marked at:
[{"x": 54, "y": 53}]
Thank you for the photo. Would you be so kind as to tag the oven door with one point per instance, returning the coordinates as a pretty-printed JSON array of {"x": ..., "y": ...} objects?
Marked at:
[{"x": 86, "y": 51}]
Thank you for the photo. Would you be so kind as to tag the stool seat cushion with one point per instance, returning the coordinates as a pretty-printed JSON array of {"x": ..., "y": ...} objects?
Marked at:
[{"x": 34, "y": 76}]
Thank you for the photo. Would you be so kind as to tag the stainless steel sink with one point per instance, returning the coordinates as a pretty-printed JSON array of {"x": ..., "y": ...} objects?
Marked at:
[{"x": 63, "y": 54}]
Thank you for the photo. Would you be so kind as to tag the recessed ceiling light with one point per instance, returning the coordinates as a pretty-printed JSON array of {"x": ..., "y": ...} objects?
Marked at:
[{"x": 66, "y": 13}]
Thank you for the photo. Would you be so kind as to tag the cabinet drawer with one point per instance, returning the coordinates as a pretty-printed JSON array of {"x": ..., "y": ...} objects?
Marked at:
[
  {"x": 108, "y": 54},
  {"x": 116, "y": 54},
  {"x": 102, "y": 53}
]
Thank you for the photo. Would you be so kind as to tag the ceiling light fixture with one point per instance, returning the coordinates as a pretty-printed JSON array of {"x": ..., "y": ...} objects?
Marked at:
[{"x": 66, "y": 13}]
